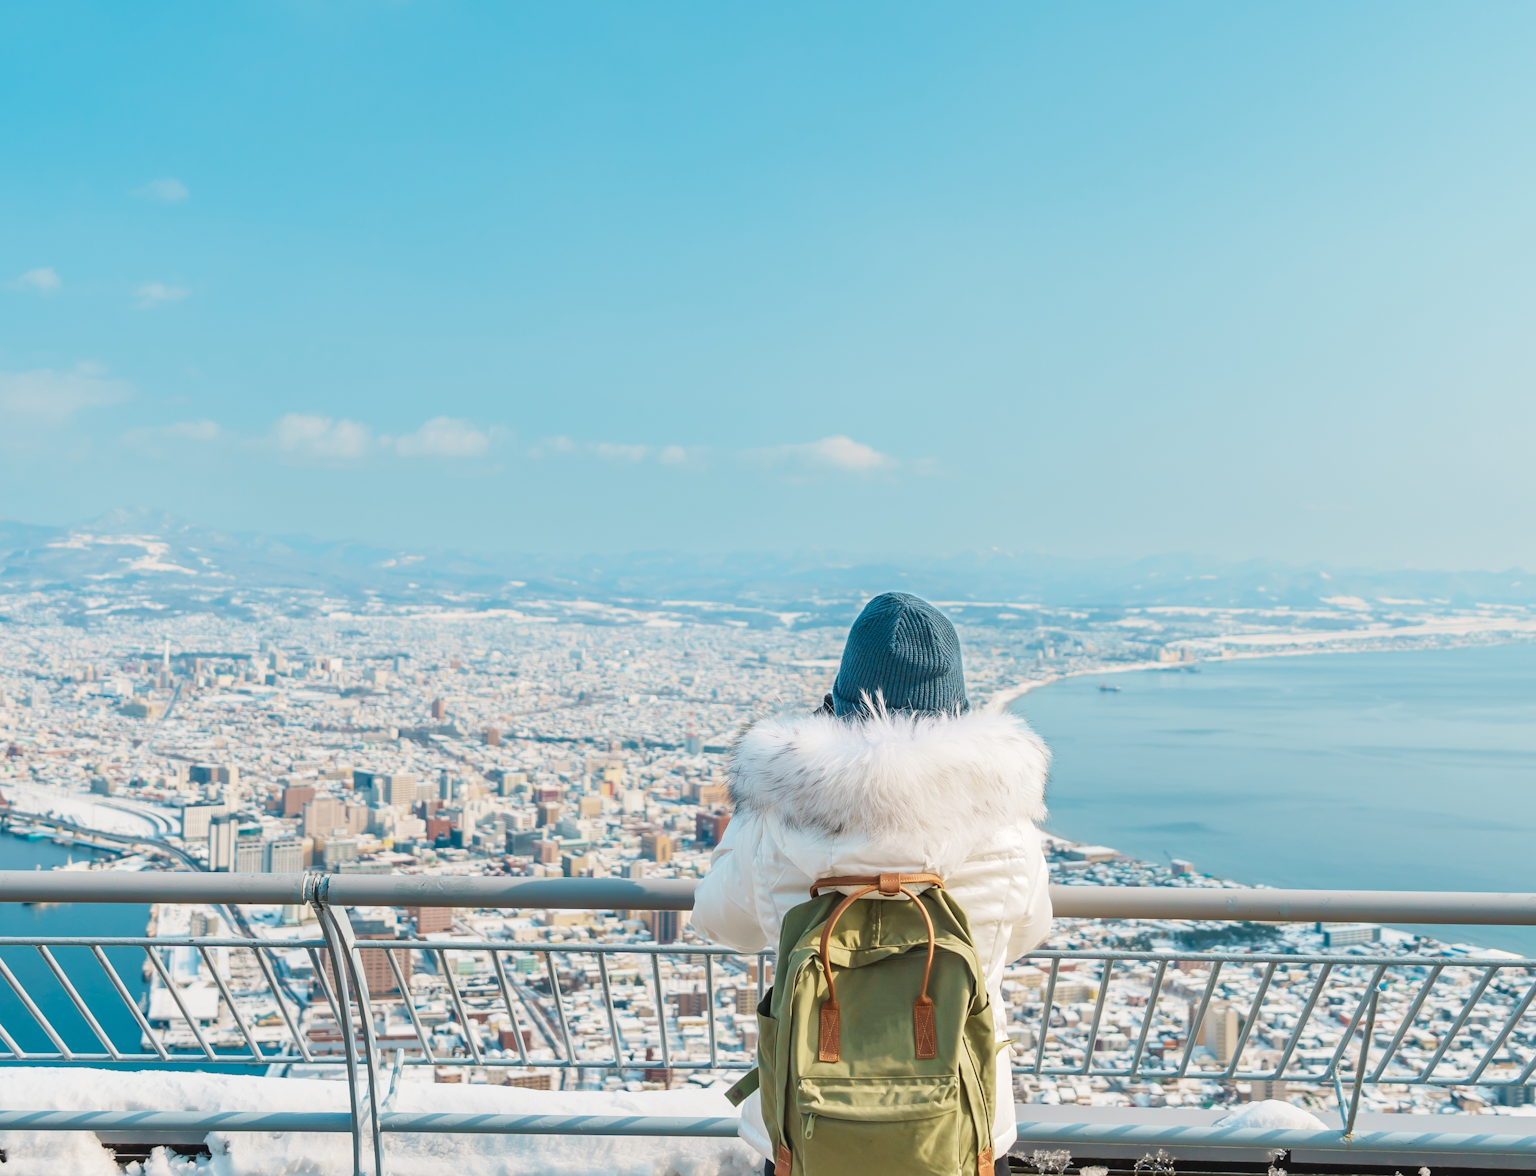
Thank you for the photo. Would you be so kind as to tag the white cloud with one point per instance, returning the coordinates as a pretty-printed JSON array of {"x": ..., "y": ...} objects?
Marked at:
[
  {"x": 551, "y": 446},
  {"x": 443, "y": 437},
  {"x": 837, "y": 453},
  {"x": 44, "y": 279},
  {"x": 194, "y": 431},
  {"x": 322, "y": 438},
  {"x": 158, "y": 438},
  {"x": 49, "y": 398},
  {"x": 167, "y": 189},
  {"x": 609, "y": 451},
  {"x": 153, "y": 294},
  {"x": 615, "y": 451}
]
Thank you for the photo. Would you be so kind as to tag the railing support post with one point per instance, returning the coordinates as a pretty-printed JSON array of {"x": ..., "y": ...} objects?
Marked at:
[
  {"x": 1365, "y": 1049},
  {"x": 341, "y": 948}
]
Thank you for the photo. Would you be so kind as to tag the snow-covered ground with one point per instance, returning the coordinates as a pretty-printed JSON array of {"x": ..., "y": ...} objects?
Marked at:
[
  {"x": 47, "y": 1153},
  {"x": 108, "y": 814}
]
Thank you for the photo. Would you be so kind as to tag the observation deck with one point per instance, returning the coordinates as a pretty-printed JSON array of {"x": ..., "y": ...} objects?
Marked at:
[{"x": 1118, "y": 1052}]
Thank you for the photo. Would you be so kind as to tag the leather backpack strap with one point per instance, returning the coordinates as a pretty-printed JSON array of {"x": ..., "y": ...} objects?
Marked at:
[
  {"x": 888, "y": 884},
  {"x": 925, "y": 1034}
]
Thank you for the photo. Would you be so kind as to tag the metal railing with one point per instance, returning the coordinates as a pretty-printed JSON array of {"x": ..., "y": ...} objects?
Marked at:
[{"x": 371, "y": 1008}]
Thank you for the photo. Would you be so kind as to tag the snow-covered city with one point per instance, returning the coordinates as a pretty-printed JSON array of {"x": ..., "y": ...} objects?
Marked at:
[{"x": 592, "y": 742}]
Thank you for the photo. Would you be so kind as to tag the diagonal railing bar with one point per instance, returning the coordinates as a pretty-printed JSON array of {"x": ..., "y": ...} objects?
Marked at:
[
  {"x": 10, "y": 1044},
  {"x": 1250, "y": 1021},
  {"x": 37, "y": 1014},
  {"x": 559, "y": 999},
  {"x": 1461, "y": 1019},
  {"x": 74, "y": 996},
  {"x": 1503, "y": 1035},
  {"x": 1198, "y": 1020},
  {"x": 661, "y": 1011},
  {"x": 613, "y": 1018},
  {"x": 1409, "y": 1017},
  {"x": 132, "y": 1005},
  {"x": 265, "y": 964},
  {"x": 1349, "y": 1031},
  {"x": 500, "y": 965},
  {"x": 1151, "y": 1014},
  {"x": 1048, "y": 1003},
  {"x": 322, "y": 978},
  {"x": 1106, "y": 971},
  {"x": 409, "y": 1001},
  {"x": 175, "y": 991},
  {"x": 1302, "y": 1019},
  {"x": 471, "y": 1036},
  {"x": 234, "y": 1009},
  {"x": 709, "y": 1009},
  {"x": 1360, "y": 1063}
]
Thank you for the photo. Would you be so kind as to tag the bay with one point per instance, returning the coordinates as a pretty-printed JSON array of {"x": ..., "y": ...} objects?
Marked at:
[
  {"x": 1409, "y": 770},
  {"x": 88, "y": 977}
]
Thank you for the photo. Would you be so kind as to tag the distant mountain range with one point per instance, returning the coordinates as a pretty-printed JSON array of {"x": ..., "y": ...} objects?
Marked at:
[{"x": 151, "y": 560}]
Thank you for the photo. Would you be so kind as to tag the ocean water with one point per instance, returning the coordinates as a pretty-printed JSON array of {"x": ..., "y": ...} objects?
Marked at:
[
  {"x": 1383, "y": 771},
  {"x": 78, "y": 963},
  {"x": 32, "y": 971}
]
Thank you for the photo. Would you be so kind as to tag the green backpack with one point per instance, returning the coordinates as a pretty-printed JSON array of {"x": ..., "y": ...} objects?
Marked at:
[{"x": 875, "y": 1046}]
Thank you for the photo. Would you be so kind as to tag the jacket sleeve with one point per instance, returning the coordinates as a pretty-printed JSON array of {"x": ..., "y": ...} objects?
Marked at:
[
  {"x": 724, "y": 905},
  {"x": 1032, "y": 923}
]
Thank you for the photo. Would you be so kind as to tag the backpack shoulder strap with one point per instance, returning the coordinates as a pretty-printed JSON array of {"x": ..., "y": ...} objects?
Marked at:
[{"x": 738, "y": 1093}]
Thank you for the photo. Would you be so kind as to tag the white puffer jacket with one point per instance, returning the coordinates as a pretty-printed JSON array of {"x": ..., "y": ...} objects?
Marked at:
[{"x": 817, "y": 796}]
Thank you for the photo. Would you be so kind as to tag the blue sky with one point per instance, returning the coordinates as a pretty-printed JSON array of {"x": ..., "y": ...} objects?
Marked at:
[{"x": 882, "y": 278}]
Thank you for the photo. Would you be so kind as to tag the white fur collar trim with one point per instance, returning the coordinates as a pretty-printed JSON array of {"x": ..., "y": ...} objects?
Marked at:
[{"x": 893, "y": 778}]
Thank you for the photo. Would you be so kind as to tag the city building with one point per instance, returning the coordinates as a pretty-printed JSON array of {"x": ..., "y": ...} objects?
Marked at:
[
  {"x": 657, "y": 847},
  {"x": 222, "y": 833},
  {"x": 250, "y": 853},
  {"x": 285, "y": 855},
  {"x": 195, "y": 819}
]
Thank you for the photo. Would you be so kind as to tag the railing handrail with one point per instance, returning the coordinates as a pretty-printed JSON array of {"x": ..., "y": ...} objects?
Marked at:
[{"x": 676, "y": 894}]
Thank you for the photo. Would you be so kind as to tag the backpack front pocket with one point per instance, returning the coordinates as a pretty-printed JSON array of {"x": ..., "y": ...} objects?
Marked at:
[{"x": 854, "y": 1125}]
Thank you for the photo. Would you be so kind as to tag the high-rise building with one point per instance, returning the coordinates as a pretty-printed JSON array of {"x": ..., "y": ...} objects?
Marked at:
[
  {"x": 222, "y": 833},
  {"x": 666, "y": 926},
  {"x": 431, "y": 919},
  {"x": 295, "y": 797},
  {"x": 1220, "y": 1029},
  {"x": 355, "y": 817},
  {"x": 385, "y": 788},
  {"x": 338, "y": 850},
  {"x": 657, "y": 847},
  {"x": 250, "y": 855},
  {"x": 549, "y": 812},
  {"x": 709, "y": 828},
  {"x": 439, "y": 709},
  {"x": 323, "y": 814},
  {"x": 285, "y": 856},
  {"x": 378, "y": 976}
]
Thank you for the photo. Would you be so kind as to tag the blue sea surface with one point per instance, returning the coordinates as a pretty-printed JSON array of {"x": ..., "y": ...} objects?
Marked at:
[
  {"x": 90, "y": 980},
  {"x": 1412, "y": 770}
]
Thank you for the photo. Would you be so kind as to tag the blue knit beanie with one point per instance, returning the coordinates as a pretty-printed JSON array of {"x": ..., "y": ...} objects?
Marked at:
[{"x": 907, "y": 651}]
